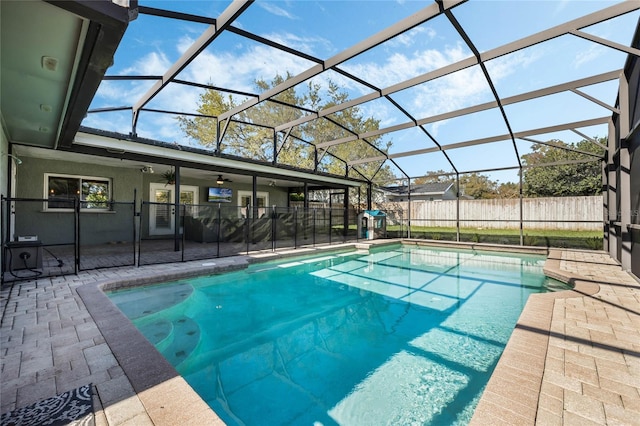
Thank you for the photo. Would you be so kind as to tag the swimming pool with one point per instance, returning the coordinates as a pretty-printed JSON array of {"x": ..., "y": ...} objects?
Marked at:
[{"x": 403, "y": 335}]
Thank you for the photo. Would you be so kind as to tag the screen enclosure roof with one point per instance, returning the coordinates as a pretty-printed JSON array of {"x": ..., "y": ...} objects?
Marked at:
[{"x": 410, "y": 86}]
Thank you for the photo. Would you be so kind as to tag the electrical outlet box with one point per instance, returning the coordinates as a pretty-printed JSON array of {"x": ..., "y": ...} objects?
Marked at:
[{"x": 23, "y": 255}]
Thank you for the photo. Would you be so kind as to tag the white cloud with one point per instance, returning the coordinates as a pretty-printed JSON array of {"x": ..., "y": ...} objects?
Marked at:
[
  {"x": 589, "y": 55},
  {"x": 411, "y": 36},
  {"x": 399, "y": 67},
  {"x": 121, "y": 93},
  {"x": 561, "y": 5},
  {"x": 304, "y": 44},
  {"x": 507, "y": 65},
  {"x": 153, "y": 63},
  {"x": 276, "y": 10},
  {"x": 239, "y": 68},
  {"x": 238, "y": 72},
  {"x": 119, "y": 121}
]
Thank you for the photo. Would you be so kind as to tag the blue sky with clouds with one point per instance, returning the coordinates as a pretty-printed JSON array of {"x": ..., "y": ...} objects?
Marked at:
[{"x": 323, "y": 29}]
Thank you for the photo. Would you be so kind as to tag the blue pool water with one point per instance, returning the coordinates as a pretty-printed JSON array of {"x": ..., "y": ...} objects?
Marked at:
[{"x": 406, "y": 335}]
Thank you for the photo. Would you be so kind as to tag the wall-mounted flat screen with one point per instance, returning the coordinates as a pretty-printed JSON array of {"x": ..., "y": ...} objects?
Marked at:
[{"x": 219, "y": 195}]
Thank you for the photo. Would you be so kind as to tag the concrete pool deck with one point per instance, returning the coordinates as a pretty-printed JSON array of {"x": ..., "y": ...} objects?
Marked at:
[{"x": 574, "y": 357}]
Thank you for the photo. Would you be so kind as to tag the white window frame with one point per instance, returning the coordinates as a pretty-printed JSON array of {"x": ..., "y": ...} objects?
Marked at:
[
  {"x": 259, "y": 194},
  {"x": 46, "y": 207}
]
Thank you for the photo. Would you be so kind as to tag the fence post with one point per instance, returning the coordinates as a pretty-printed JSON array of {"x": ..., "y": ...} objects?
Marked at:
[
  {"x": 330, "y": 226},
  {"x": 182, "y": 211},
  {"x": 295, "y": 227},
  {"x": 133, "y": 224},
  {"x": 247, "y": 228},
  {"x": 457, "y": 206},
  {"x": 521, "y": 213},
  {"x": 141, "y": 222},
  {"x": 409, "y": 210},
  {"x": 274, "y": 227},
  {"x": 2, "y": 236},
  {"x": 76, "y": 232},
  {"x": 219, "y": 231}
]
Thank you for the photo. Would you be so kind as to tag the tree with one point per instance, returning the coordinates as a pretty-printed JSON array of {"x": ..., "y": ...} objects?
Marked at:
[
  {"x": 508, "y": 190},
  {"x": 572, "y": 179},
  {"x": 478, "y": 186},
  {"x": 435, "y": 176},
  {"x": 472, "y": 184},
  {"x": 250, "y": 135},
  {"x": 203, "y": 129}
]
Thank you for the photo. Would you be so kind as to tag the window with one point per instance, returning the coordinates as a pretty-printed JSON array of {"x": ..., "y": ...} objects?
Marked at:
[
  {"x": 61, "y": 190},
  {"x": 244, "y": 200}
]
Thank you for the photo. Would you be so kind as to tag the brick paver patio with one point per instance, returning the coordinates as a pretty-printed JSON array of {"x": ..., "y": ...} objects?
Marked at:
[{"x": 574, "y": 357}]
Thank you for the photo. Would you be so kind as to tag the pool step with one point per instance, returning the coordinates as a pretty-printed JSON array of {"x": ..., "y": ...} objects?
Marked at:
[{"x": 182, "y": 340}]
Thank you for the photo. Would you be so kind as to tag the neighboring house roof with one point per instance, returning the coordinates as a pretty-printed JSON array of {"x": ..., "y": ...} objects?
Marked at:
[{"x": 435, "y": 188}]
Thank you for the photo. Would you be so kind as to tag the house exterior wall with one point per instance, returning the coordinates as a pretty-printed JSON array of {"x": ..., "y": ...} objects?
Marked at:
[
  {"x": 99, "y": 227},
  {"x": 58, "y": 227}
]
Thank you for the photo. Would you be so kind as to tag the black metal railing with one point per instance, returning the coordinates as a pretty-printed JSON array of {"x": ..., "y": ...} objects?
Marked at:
[
  {"x": 57, "y": 241},
  {"x": 207, "y": 231},
  {"x": 41, "y": 241}
]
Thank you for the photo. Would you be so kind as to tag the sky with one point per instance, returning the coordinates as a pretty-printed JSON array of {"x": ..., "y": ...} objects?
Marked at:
[{"x": 323, "y": 29}]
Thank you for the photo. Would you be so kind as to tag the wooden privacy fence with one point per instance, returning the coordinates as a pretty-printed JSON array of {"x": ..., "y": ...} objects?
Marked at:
[{"x": 569, "y": 213}]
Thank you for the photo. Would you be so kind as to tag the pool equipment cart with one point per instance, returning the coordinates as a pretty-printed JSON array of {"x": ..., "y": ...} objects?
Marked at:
[{"x": 372, "y": 224}]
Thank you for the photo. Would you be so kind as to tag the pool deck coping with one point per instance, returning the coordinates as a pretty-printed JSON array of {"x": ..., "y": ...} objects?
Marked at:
[{"x": 516, "y": 394}]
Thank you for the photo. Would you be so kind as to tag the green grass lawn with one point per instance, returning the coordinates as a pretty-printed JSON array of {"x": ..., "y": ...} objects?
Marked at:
[
  {"x": 559, "y": 233},
  {"x": 531, "y": 237}
]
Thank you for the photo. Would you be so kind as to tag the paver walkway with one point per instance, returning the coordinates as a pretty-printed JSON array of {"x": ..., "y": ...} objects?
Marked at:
[{"x": 573, "y": 359}]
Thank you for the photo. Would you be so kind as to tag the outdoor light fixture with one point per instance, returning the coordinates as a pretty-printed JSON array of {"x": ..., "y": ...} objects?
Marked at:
[
  {"x": 49, "y": 63},
  {"x": 147, "y": 169},
  {"x": 15, "y": 158},
  {"x": 219, "y": 181}
]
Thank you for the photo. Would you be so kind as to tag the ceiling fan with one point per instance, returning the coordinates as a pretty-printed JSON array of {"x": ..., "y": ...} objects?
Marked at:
[{"x": 221, "y": 181}]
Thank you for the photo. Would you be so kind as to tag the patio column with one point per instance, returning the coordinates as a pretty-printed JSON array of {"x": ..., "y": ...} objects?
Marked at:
[
  {"x": 624, "y": 168},
  {"x": 612, "y": 203}
]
